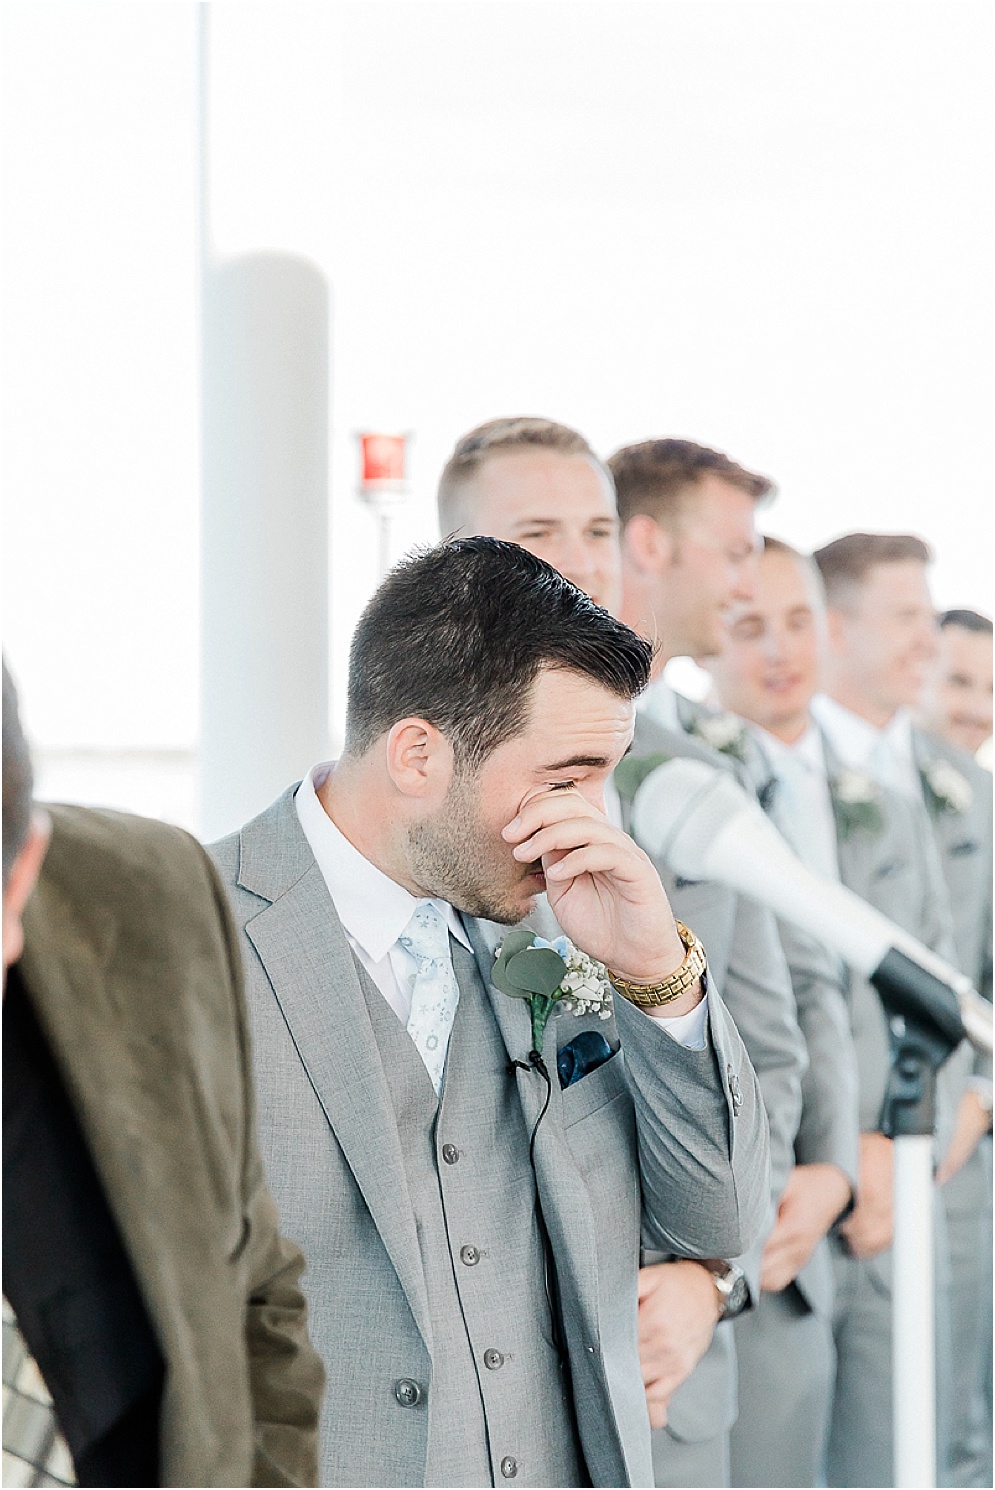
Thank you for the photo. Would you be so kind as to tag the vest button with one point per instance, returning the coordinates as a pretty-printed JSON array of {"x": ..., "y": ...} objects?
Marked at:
[
  {"x": 493, "y": 1359},
  {"x": 470, "y": 1256},
  {"x": 407, "y": 1392},
  {"x": 450, "y": 1153},
  {"x": 509, "y": 1467}
]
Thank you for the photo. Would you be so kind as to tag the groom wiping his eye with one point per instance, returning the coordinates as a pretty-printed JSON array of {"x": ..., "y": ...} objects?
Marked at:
[{"x": 470, "y": 1129}]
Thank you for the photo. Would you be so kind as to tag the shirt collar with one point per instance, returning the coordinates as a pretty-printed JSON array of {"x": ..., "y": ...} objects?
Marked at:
[
  {"x": 373, "y": 908},
  {"x": 808, "y": 749},
  {"x": 852, "y": 737}
]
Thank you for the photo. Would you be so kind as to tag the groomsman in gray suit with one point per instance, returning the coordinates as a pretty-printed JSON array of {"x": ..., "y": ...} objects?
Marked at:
[
  {"x": 844, "y": 826},
  {"x": 689, "y": 549},
  {"x": 957, "y": 701},
  {"x": 957, "y": 707},
  {"x": 883, "y": 649},
  {"x": 540, "y": 484},
  {"x": 469, "y": 1135}
]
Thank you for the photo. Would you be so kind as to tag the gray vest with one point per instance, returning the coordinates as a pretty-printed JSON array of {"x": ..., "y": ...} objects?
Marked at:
[{"x": 499, "y": 1402}]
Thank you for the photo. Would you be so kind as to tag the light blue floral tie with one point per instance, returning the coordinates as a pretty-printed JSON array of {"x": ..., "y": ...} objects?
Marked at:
[{"x": 435, "y": 992}]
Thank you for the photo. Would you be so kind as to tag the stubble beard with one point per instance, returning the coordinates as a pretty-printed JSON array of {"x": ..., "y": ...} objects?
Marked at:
[{"x": 449, "y": 858}]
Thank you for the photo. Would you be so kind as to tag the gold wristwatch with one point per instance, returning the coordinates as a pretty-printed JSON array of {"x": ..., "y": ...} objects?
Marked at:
[{"x": 653, "y": 995}]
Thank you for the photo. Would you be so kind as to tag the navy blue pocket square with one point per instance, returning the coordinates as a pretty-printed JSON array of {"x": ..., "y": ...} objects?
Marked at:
[{"x": 585, "y": 1053}]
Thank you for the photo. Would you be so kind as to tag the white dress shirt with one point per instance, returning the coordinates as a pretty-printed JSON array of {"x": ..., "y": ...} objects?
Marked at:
[
  {"x": 803, "y": 805},
  {"x": 375, "y": 910},
  {"x": 886, "y": 755}
]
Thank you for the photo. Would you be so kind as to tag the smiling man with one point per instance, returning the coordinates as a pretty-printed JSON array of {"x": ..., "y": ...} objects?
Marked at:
[
  {"x": 471, "y": 1205},
  {"x": 957, "y": 701},
  {"x": 879, "y": 845}
]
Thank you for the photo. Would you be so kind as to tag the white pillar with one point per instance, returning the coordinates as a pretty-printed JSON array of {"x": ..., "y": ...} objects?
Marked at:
[
  {"x": 265, "y": 670},
  {"x": 913, "y": 1326}
]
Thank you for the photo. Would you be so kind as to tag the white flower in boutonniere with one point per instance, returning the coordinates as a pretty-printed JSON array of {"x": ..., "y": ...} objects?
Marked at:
[
  {"x": 856, "y": 802},
  {"x": 548, "y": 974},
  {"x": 723, "y": 732},
  {"x": 946, "y": 789}
]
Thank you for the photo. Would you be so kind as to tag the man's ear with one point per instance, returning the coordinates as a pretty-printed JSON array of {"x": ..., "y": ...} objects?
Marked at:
[
  {"x": 419, "y": 760},
  {"x": 647, "y": 545},
  {"x": 23, "y": 877}
]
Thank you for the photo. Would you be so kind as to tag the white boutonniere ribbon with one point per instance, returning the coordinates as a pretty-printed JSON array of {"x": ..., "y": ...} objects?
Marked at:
[
  {"x": 856, "y": 803},
  {"x": 946, "y": 789},
  {"x": 723, "y": 732}
]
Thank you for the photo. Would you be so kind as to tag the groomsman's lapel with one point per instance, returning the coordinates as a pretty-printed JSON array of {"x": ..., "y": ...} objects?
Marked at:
[{"x": 302, "y": 946}]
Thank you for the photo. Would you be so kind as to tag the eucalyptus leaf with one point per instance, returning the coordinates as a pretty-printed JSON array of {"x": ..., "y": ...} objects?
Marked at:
[
  {"x": 536, "y": 970},
  {"x": 632, "y": 771},
  {"x": 515, "y": 941}
]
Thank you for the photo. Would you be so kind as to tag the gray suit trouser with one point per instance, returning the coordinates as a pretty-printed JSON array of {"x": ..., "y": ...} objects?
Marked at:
[
  {"x": 679, "y": 1465},
  {"x": 785, "y": 1356},
  {"x": 860, "y": 1432},
  {"x": 967, "y": 1200}
]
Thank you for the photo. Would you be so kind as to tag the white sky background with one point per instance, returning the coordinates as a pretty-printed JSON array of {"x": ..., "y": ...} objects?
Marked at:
[{"x": 764, "y": 225}]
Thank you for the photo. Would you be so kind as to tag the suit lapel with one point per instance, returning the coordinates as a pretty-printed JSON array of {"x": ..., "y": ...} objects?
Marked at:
[
  {"x": 304, "y": 950},
  {"x": 563, "y": 1195}
]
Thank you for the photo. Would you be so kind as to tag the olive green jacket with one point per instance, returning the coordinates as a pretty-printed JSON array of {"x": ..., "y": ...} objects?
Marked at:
[{"x": 134, "y": 974}]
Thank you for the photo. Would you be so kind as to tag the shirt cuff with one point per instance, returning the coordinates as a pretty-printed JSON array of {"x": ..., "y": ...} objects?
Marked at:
[{"x": 690, "y": 1029}]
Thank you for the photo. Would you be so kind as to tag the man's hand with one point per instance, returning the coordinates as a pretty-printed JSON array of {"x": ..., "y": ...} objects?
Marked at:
[
  {"x": 678, "y": 1312},
  {"x": 602, "y": 888},
  {"x": 868, "y": 1229},
  {"x": 973, "y": 1122},
  {"x": 813, "y": 1197}
]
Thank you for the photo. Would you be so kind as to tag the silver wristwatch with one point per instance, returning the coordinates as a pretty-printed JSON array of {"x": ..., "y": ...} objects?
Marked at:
[{"x": 731, "y": 1286}]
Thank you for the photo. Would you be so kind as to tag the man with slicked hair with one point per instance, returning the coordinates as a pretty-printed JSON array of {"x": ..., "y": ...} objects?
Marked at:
[
  {"x": 540, "y": 484},
  {"x": 883, "y": 646},
  {"x": 470, "y": 1183}
]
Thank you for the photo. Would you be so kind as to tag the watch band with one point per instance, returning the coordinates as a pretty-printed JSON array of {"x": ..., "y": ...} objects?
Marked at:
[{"x": 653, "y": 995}]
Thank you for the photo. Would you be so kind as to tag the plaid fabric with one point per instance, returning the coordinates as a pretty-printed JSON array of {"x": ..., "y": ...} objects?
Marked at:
[{"x": 34, "y": 1452}]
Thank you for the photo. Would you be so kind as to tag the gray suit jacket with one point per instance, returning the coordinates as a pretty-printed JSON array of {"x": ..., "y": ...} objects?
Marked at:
[
  {"x": 660, "y": 1139},
  {"x": 964, "y": 839},
  {"x": 897, "y": 870},
  {"x": 748, "y": 968}
]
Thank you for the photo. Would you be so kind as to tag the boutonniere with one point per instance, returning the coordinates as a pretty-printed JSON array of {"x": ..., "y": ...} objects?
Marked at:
[
  {"x": 632, "y": 771},
  {"x": 946, "y": 789},
  {"x": 550, "y": 975},
  {"x": 723, "y": 732},
  {"x": 856, "y": 803}
]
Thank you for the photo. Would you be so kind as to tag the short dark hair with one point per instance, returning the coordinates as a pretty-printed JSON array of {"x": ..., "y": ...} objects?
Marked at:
[
  {"x": 656, "y": 477},
  {"x": 845, "y": 563},
  {"x": 967, "y": 620},
  {"x": 509, "y": 436},
  {"x": 18, "y": 782},
  {"x": 458, "y": 633}
]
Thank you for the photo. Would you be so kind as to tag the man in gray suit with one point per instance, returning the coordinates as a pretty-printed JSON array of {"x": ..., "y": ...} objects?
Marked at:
[
  {"x": 540, "y": 484},
  {"x": 471, "y": 1184},
  {"x": 883, "y": 649},
  {"x": 689, "y": 552},
  {"x": 956, "y": 703}
]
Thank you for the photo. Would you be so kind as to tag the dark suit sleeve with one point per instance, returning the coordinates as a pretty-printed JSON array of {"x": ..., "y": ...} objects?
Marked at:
[{"x": 286, "y": 1375}]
